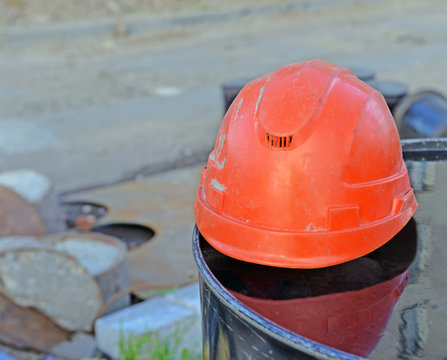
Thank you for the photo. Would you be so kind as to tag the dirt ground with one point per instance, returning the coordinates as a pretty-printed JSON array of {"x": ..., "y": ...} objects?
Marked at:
[
  {"x": 44, "y": 12},
  {"x": 107, "y": 97}
]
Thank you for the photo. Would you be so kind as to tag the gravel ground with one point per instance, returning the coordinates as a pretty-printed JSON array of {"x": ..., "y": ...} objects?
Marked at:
[
  {"x": 93, "y": 92},
  {"x": 45, "y": 12},
  {"x": 93, "y": 102}
]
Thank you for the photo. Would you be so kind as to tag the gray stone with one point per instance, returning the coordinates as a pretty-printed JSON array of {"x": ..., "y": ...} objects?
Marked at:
[
  {"x": 95, "y": 256},
  {"x": 52, "y": 283},
  {"x": 103, "y": 257},
  {"x": 37, "y": 189}
]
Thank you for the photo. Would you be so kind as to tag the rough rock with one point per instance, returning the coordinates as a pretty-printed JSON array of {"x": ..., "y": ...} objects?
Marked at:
[
  {"x": 18, "y": 217},
  {"x": 97, "y": 257},
  {"x": 104, "y": 257},
  {"x": 36, "y": 189},
  {"x": 53, "y": 283},
  {"x": 25, "y": 328}
]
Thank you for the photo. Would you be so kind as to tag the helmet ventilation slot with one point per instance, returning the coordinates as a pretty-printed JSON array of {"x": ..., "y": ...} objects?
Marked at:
[{"x": 281, "y": 142}]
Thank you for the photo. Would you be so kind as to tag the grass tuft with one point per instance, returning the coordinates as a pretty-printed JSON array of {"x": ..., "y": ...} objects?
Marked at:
[{"x": 153, "y": 347}]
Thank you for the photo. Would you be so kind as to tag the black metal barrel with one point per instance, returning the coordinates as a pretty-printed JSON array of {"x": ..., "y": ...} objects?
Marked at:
[
  {"x": 392, "y": 91},
  {"x": 231, "y": 330},
  {"x": 422, "y": 115}
]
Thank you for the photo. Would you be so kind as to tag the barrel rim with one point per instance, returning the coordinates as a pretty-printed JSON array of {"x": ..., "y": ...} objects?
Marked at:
[{"x": 249, "y": 316}]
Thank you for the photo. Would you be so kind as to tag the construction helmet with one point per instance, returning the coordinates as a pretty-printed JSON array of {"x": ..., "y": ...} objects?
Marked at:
[{"x": 307, "y": 171}]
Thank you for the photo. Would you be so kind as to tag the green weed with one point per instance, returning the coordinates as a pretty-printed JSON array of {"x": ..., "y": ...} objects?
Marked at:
[
  {"x": 153, "y": 347},
  {"x": 151, "y": 293}
]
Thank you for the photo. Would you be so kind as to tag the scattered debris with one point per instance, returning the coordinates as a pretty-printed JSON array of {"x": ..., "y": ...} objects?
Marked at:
[{"x": 75, "y": 210}]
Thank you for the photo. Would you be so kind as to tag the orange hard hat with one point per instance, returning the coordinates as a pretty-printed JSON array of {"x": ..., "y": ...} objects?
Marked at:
[{"x": 307, "y": 171}]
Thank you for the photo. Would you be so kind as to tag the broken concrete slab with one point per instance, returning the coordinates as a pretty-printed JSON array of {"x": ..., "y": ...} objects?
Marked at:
[
  {"x": 188, "y": 296},
  {"x": 159, "y": 316}
]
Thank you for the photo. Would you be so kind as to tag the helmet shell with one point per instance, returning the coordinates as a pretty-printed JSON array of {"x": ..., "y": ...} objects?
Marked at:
[{"x": 307, "y": 171}]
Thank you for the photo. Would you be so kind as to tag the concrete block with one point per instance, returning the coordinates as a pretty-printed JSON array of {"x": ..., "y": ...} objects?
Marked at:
[
  {"x": 157, "y": 316},
  {"x": 188, "y": 296}
]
